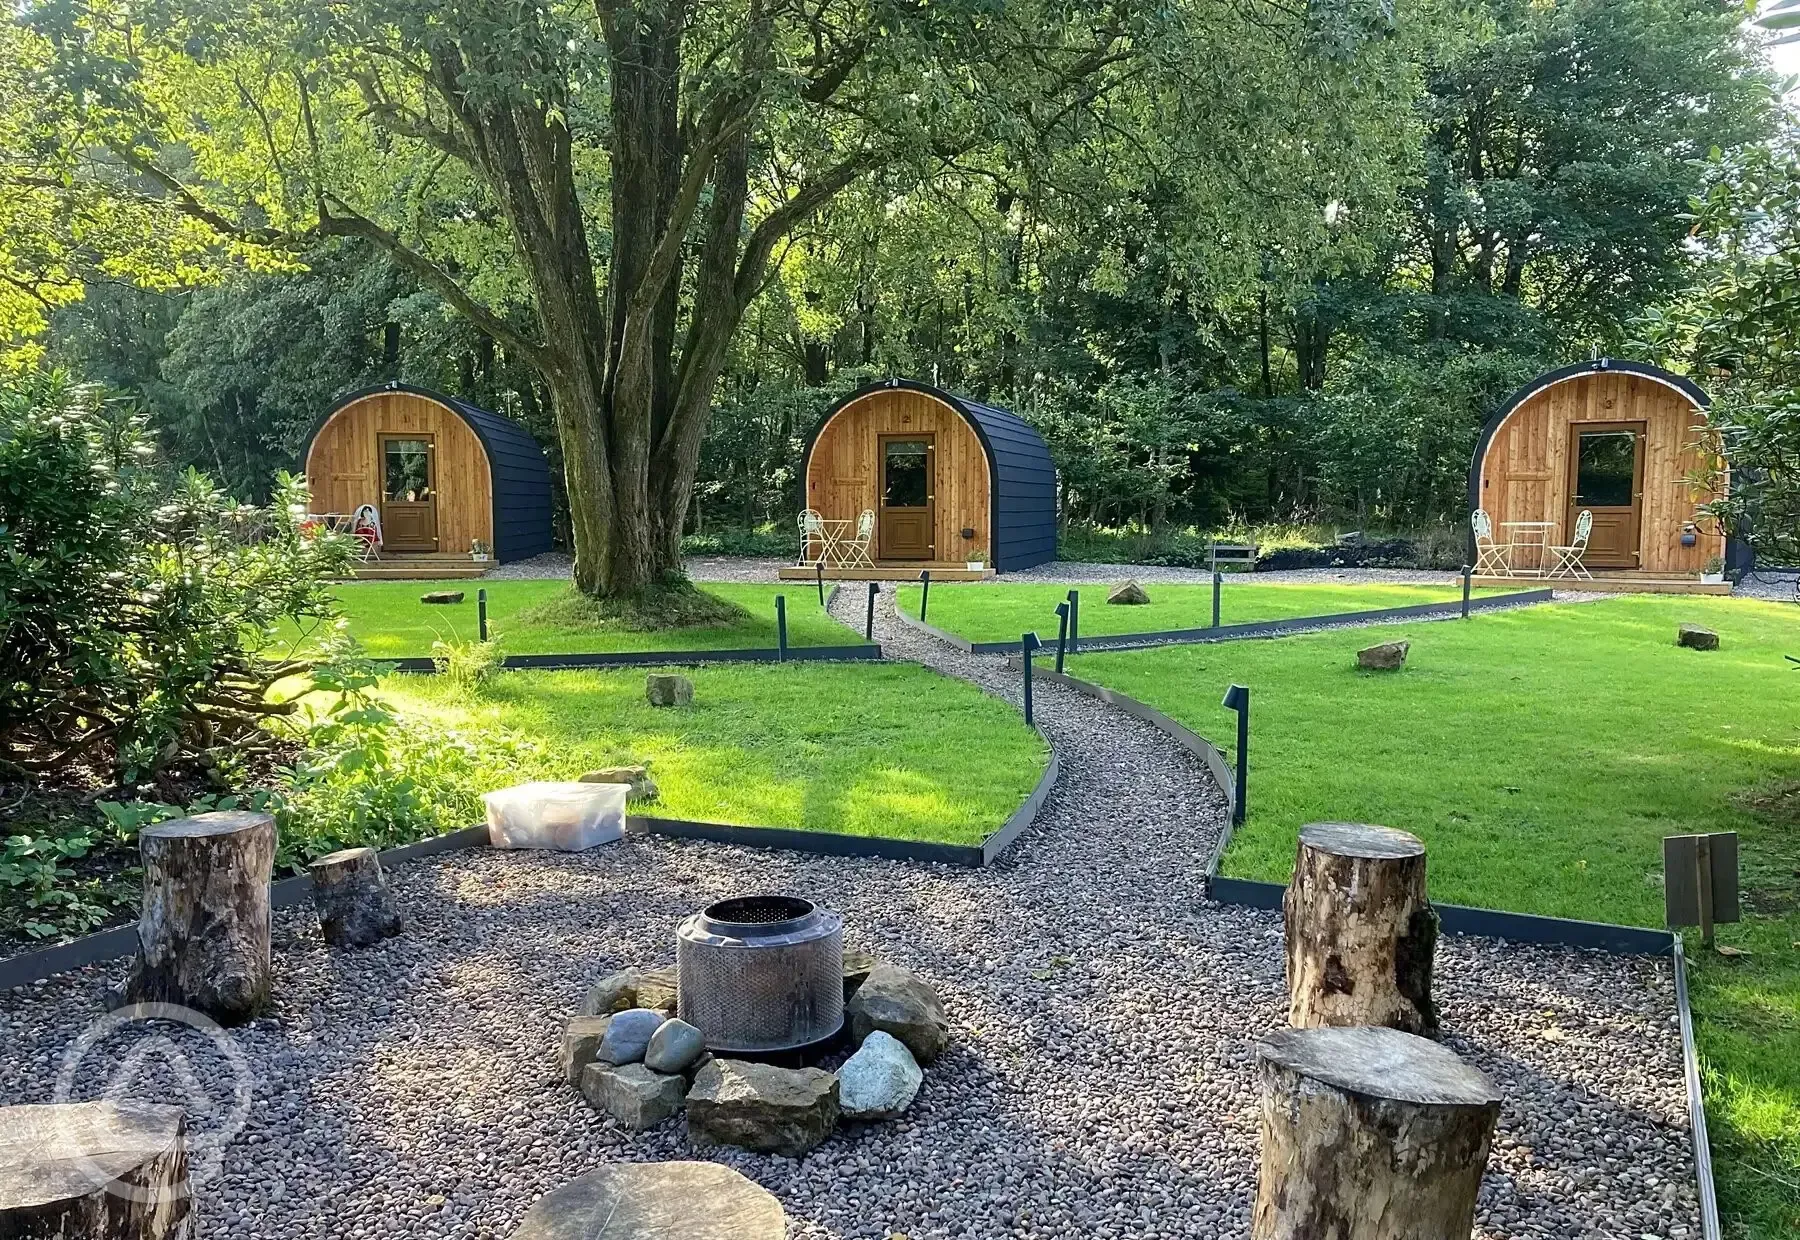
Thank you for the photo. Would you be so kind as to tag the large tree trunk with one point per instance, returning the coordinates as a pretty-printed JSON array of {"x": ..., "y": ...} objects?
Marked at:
[
  {"x": 203, "y": 938},
  {"x": 1361, "y": 935},
  {"x": 96, "y": 1170},
  {"x": 1369, "y": 1134}
]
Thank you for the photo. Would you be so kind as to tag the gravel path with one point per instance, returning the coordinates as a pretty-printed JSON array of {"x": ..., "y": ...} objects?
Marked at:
[{"x": 1099, "y": 1082}]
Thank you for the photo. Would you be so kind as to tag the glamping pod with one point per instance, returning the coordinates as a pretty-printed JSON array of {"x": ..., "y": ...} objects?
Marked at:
[
  {"x": 441, "y": 474},
  {"x": 1619, "y": 440},
  {"x": 948, "y": 480}
]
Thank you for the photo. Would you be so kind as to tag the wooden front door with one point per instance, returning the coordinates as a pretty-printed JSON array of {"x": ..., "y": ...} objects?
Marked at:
[
  {"x": 1606, "y": 468},
  {"x": 408, "y": 493},
  {"x": 908, "y": 498}
]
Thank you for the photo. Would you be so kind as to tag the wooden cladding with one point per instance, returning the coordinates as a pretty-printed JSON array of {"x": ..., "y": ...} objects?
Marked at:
[
  {"x": 844, "y": 472},
  {"x": 345, "y": 468},
  {"x": 1529, "y": 470}
]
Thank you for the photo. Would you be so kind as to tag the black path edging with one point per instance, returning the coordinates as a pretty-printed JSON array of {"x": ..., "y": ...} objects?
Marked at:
[
  {"x": 1690, "y": 1062},
  {"x": 1484, "y": 922},
  {"x": 1252, "y": 629},
  {"x": 659, "y": 658},
  {"x": 33, "y": 966}
]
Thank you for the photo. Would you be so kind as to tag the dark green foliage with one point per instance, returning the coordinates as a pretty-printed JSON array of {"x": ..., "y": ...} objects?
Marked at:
[{"x": 138, "y": 610}]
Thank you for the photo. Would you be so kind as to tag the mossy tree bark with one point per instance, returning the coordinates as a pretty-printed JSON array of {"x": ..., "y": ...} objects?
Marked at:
[
  {"x": 1361, "y": 935},
  {"x": 203, "y": 936}
]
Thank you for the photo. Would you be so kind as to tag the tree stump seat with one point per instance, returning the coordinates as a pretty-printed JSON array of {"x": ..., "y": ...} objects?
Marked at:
[
  {"x": 97, "y": 1170},
  {"x": 203, "y": 936},
  {"x": 1369, "y": 1134},
  {"x": 1361, "y": 935}
]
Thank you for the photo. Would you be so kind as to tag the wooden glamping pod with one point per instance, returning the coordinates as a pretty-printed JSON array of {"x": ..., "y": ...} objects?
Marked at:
[
  {"x": 1620, "y": 440},
  {"x": 443, "y": 476},
  {"x": 948, "y": 481}
]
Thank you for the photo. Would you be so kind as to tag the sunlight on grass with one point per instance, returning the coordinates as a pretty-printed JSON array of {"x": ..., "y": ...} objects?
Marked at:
[
  {"x": 542, "y": 617},
  {"x": 984, "y": 612},
  {"x": 875, "y": 749},
  {"x": 1542, "y": 755}
]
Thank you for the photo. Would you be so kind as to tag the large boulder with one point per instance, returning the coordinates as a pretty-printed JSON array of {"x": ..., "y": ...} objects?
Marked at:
[
  {"x": 632, "y": 1094},
  {"x": 674, "y": 1047},
  {"x": 880, "y": 1080},
  {"x": 896, "y": 1002},
  {"x": 632, "y": 988},
  {"x": 1696, "y": 638},
  {"x": 581, "y": 1044},
  {"x": 656, "y": 1201},
  {"x": 1128, "y": 594},
  {"x": 1387, "y": 657},
  {"x": 643, "y": 788},
  {"x": 668, "y": 689},
  {"x": 858, "y": 964},
  {"x": 759, "y": 1106},
  {"x": 628, "y": 1035}
]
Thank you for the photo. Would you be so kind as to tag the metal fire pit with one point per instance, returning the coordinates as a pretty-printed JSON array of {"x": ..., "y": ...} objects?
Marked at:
[{"x": 761, "y": 974}]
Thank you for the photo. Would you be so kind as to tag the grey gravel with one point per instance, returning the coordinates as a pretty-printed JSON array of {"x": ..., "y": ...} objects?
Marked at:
[{"x": 413, "y": 1089}]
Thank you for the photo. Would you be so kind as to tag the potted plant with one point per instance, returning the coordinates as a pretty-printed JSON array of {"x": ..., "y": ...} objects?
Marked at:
[
  {"x": 478, "y": 550},
  {"x": 1714, "y": 571},
  {"x": 977, "y": 559}
]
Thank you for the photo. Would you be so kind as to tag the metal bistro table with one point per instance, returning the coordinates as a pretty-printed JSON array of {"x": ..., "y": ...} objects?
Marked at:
[{"x": 1533, "y": 537}]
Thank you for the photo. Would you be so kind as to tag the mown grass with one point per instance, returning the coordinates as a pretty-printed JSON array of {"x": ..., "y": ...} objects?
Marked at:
[
  {"x": 548, "y": 617},
  {"x": 862, "y": 749},
  {"x": 1542, "y": 755},
  {"x": 998, "y": 613}
]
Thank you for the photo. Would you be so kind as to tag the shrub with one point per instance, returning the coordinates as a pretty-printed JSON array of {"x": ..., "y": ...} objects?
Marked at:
[{"x": 139, "y": 610}]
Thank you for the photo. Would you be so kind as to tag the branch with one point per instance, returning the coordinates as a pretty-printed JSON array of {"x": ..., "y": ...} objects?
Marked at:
[
  {"x": 191, "y": 206},
  {"x": 354, "y": 224},
  {"x": 789, "y": 215}
]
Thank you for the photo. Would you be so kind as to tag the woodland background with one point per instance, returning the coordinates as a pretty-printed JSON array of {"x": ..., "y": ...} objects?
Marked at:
[{"x": 1284, "y": 276}]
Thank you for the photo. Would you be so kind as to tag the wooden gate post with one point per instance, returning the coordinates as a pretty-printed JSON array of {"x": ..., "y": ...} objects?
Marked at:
[
  {"x": 1369, "y": 1134},
  {"x": 1361, "y": 935},
  {"x": 203, "y": 938}
]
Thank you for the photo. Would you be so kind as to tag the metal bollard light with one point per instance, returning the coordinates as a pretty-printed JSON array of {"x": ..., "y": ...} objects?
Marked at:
[
  {"x": 1238, "y": 698},
  {"x": 924, "y": 592},
  {"x": 869, "y": 624},
  {"x": 781, "y": 628},
  {"x": 1062, "y": 634},
  {"x": 1218, "y": 585},
  {"x": 1028, "y": 644},
  {"x": 481, "y": 613},
  {"x": 1468, "y": 574}
]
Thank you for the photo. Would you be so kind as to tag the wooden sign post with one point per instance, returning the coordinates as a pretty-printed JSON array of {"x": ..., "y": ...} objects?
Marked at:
[{"x": 1700, "y": 881}]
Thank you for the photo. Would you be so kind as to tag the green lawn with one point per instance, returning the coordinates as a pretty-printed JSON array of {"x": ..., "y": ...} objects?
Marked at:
[
  {"x": 999, "y": 613},
  {"x": 1542, "y": 755},
  {"x": 391, "y": 622},
  {"x": 860, "y": 749}
]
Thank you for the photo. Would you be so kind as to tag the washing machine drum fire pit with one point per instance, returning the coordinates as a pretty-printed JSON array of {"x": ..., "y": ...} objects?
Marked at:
[{"x": 761, "y": 974}]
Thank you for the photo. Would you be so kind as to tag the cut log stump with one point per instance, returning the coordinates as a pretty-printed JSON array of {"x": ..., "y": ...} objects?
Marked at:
[
  {"x": 352, "y": 898},
  {"x": 1369, "y": 1134},
  {"x": 1361, "y": 935},
  {"x": 100, "y": 1170},
  {"x": 203, "y": 937}
]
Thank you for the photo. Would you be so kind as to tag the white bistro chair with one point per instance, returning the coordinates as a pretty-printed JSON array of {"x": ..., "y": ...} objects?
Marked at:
[
  {"x": 854, "y": 552},
  {"x": 1490, "y": 556},
  {"x": 814, "y": 542},
  {"x": 1567, "y": 560}
]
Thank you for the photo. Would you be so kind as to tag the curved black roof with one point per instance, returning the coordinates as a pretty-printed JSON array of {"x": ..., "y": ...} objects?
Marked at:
[
  {"x": 1021, "y": 477},
  {"x": 518, "y": 471}
]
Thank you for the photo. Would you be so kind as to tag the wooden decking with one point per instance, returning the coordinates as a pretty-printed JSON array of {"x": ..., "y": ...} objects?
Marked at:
[
  {"x": 889, "y": 572},
  {"x": 420, "y": 566},
  {"x": 1617, "y": 583}
]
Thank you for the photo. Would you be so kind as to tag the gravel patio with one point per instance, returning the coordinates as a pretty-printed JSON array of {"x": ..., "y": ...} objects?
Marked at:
[{"x": 1099, "y": 1081}]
